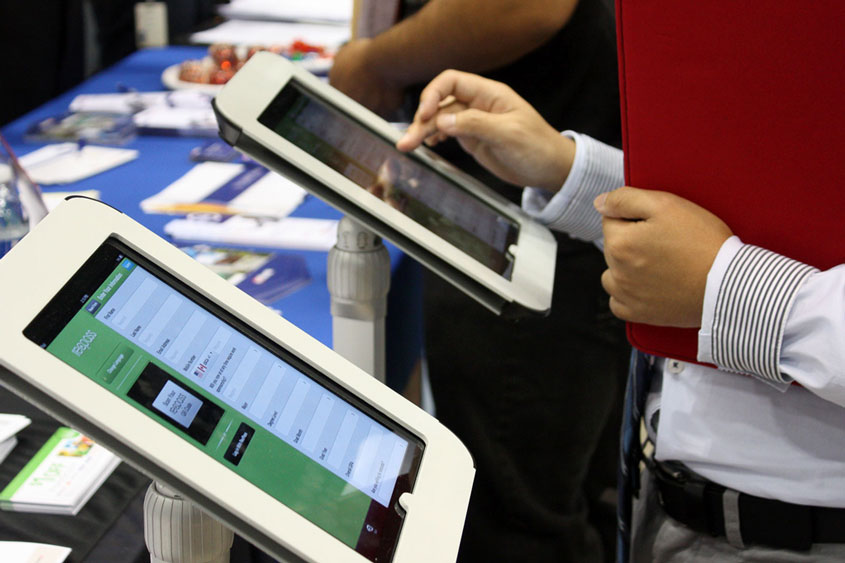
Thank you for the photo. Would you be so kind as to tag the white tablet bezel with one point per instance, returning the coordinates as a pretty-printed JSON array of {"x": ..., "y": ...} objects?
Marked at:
[
  {"x": 39, "y": 266},
  {"x": 248, "y": 94}
]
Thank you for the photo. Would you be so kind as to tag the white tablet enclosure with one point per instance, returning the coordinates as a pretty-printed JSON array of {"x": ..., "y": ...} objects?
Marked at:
[
  {"x": 121, "y": 335},
  {"x": 290, "y": 121}
]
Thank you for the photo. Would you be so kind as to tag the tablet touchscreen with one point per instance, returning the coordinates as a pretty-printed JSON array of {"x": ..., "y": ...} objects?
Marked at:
[
  {"x": 240, "y": 398},
  {"x": 400, "y": 179}
]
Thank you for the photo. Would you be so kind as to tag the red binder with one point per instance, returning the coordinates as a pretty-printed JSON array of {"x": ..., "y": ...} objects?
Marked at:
[{"x": 738, "y": 106}]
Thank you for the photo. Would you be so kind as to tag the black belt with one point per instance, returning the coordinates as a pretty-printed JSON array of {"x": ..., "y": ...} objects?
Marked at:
[{"x": 699, "y": 504}]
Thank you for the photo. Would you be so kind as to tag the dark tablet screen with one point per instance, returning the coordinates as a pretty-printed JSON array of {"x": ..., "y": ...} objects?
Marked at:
[{"x": 400, "y": 180}]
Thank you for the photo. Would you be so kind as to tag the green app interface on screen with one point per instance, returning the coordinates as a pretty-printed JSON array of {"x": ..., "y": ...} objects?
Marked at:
[{"x": 225, "y": 394}]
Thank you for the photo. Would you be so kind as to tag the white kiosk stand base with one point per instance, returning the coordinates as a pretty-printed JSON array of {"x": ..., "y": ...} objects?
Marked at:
[
  {"x": 359, "y": 279},
  {"x": 175, "y": 529}
]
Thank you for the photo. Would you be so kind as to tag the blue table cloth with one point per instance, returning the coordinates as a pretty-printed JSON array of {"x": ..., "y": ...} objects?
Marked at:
[{"x": 163, "y": 160}]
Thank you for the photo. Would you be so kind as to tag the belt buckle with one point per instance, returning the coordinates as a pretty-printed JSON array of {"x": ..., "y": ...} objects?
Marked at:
[{"x": 693, "y": 511}]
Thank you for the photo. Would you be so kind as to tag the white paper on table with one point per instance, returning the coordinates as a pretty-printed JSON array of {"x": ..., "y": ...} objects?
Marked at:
[
  {"x": 27, "y": 552},
  {"x": 337, "y": 11},
  {"x": 292, "y": 232},
  {"x": 243, "y": 32},
  {"x": 131, "y": 102},
  {"x": 177, "y": 119},
  {"x": 6, "y": 447},
  {"x": 11, "y": 424},
  {"x": 267, "y": 194},
  {"x": 64, "y": 163}
]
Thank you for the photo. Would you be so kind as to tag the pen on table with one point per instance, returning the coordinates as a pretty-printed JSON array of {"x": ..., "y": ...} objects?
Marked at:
[
  {"x": 194, "y": 208},
  {"x": 136, "y": 102},
  {"x": 69, "y": 149}
]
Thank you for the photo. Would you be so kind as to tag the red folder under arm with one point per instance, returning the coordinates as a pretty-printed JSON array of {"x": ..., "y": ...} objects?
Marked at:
[{"x": 738, "y": 106}]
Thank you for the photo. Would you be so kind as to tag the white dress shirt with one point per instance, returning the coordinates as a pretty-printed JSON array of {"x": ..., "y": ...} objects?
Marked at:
[{"x": 767, "y": 321}]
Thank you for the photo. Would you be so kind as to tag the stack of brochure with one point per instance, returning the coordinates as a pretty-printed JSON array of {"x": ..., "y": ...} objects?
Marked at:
[
  {"x": 227, "y": 188},
  {"x": 266, "y": 276},
  {"x": 61, "y": 477},
  {"x": 301, "y": 233},
  {"x": 10, "y": 425}
]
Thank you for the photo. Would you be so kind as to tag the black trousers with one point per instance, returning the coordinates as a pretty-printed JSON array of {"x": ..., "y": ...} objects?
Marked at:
[{"x": 538, "y": 403}]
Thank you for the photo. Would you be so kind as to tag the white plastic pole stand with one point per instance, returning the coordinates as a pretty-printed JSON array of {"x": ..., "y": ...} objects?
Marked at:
[
  {"x": 359, "y": 278},
  {"x": 177, "y": 531}
]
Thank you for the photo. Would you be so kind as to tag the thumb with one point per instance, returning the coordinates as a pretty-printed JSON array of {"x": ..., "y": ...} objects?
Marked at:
[{"x": 626, "y": 203}]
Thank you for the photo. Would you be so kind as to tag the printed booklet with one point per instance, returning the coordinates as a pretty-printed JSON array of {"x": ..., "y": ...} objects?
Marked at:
[{"x": 61, "y": 477}]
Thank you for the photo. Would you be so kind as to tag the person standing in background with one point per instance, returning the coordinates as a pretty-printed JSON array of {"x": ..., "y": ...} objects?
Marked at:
[
  {"x": 544, "y": 435},
  {"x": 58, "y": 45}
]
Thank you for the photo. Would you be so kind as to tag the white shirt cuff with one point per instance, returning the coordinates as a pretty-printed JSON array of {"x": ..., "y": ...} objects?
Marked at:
[
  {"x": 597, "y": 168},
  {"x": 748, "y": 297},
  {"x": 714, "y": 280}
]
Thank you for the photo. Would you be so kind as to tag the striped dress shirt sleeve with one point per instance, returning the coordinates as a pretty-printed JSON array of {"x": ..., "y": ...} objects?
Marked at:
[
  {"x": 597, "y": 168},
  {"x": 776, "y": 319},
  {"x": 764, "y": 314}
]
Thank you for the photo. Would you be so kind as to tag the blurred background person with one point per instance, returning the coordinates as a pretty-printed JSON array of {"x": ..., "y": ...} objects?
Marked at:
[
  {"x": 544, "y": 435},
  {"x": 54, "y": 47}
]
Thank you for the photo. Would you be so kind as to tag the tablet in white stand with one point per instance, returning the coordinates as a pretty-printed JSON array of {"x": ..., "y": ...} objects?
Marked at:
[
  {"x": 290, "y": 121},
  {"x": 358, "y": 276},
  {"x": 124, "y": 337}
]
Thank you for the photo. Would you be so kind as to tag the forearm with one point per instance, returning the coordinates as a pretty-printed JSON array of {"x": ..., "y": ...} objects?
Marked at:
[{"x": 464, "y": 34}]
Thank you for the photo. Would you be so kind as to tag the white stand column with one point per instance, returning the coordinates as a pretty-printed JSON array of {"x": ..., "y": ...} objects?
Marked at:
[
  {"x": 358, "y": 280},
  {"x": 176, "y": 531}
]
